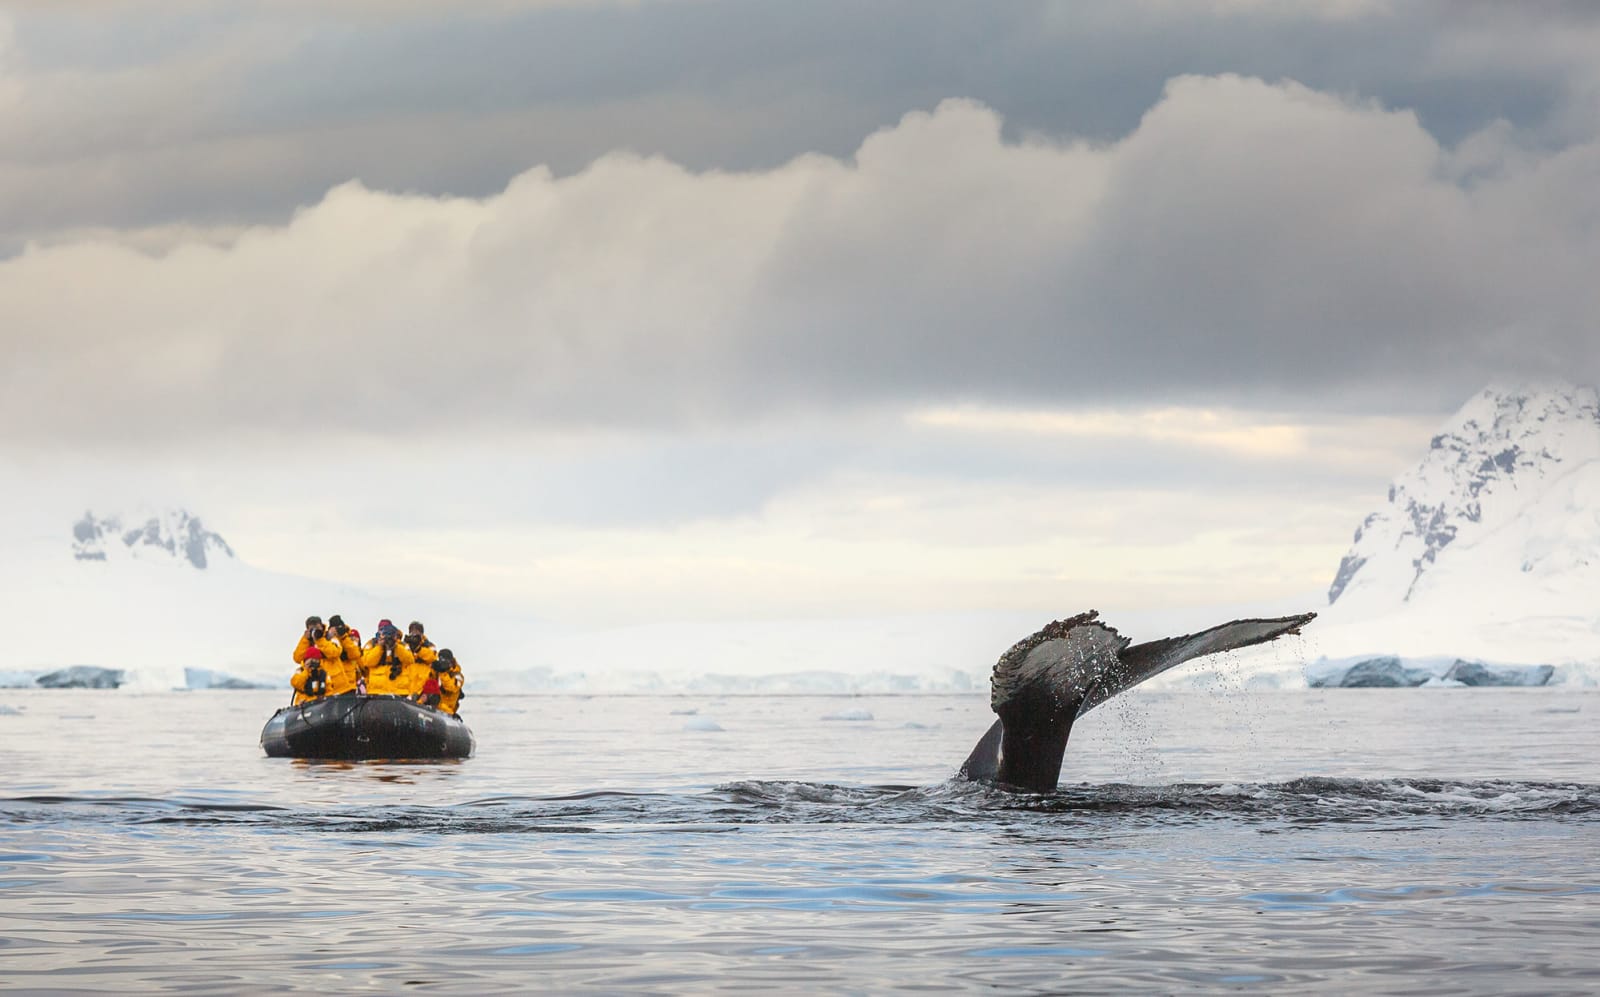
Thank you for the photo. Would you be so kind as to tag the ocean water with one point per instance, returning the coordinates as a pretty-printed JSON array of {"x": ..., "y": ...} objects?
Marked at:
[{"x": 1397, "y": 841}]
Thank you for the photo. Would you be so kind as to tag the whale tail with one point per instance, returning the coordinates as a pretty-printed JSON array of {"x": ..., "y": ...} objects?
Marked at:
[{"x": 1048, "y": 680}]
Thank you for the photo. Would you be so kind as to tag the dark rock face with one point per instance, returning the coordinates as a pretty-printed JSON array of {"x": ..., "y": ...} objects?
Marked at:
[
  {"x": 1374, "y": 673},
  {"x": 82, "y": 677},
  {"x": 1477, "y": 674},
  {"x": 1348, "y": 566}
]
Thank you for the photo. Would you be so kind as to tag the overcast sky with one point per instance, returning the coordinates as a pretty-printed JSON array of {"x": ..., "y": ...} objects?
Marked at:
[{"x": 676, "y": 309}]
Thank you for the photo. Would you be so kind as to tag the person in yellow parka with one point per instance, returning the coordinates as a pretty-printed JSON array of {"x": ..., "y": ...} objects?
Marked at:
[
  {"x": 310, "y": 682},
  {"x": 391, "y": 668},
  {"x": 421, "y": 647},
  {"x": 349, "y": 648},
  {"x": 442, "y": 690},
  {"x": 451, "y": 682},
  {"x": 341, "y": 679}
]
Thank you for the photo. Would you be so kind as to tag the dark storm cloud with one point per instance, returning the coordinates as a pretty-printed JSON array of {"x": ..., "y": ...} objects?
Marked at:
[{"x": 152, "y": 114}]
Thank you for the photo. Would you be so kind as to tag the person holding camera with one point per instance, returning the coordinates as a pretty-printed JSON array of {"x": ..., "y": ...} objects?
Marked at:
[
  {"x": 451, "y": 682},
  {"x": 349, "y": 641},
  {"x": 442, "y": 688},
  {"x": 390, "y": 665},
  {"x": 336, "y": 678},
  {"x": 310, "y": 682},
  {"x": 421, "y": 647}
]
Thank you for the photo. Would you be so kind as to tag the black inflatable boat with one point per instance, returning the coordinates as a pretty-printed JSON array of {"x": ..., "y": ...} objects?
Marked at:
[{"x": 363, "y": 727}]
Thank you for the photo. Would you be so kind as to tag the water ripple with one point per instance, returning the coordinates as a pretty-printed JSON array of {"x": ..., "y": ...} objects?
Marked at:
[{"x": 1317, "y": 801}]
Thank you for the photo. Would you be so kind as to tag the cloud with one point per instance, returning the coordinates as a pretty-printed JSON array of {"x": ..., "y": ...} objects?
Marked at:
[
  {"x": 1247, "y": 240},
  {"x": 170, "y": 112},
  {"x": 1204, "y": 429}
]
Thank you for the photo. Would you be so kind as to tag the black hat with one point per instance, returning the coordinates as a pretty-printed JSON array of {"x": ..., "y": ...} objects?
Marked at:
[
  {"x": 445, "y": 654},
  {"x": 313, "y": 621},
  {"x": 415, "y": 627},
  {"x": 335, "y": 620}
]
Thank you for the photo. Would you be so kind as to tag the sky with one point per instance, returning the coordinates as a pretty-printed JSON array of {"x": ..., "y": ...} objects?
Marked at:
[{"x": 716, "y": 309}]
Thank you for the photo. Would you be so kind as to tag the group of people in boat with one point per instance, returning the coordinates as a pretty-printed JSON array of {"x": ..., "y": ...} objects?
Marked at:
[{"x": 334, "y": 662}]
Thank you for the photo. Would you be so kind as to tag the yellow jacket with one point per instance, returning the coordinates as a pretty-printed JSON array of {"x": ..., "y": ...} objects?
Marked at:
[
  {"x": 298, "y": 681},
  {"x": 327, "y": 645},
  {"x": 425, "y": 652},
  {"x": 350, "y": 650},
  {"x": 450, "y": 684},
  {"x": 394, "y": 676},
  {"x": 340, "y": 678}
]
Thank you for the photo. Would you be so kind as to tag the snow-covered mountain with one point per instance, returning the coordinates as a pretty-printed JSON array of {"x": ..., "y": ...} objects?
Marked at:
[
  {"x": 1488, "y": 549},
  {"x": 161, "y": 535},
  {"x": 1502, "y": 502}
]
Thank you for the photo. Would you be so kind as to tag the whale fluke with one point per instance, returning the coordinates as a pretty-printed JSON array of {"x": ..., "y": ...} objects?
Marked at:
[{"x": 1048, "y": 680}]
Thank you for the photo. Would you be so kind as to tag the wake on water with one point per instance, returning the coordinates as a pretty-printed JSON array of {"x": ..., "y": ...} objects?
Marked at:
[{"x": 1302, "y": 802}]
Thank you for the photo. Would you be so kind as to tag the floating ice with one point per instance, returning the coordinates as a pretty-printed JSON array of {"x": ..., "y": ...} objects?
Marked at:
[
  {"x": 1395, "y": 671},
  {"x": 205, "y": 678},
  {"x": 852, "y": 715},
  {"x": 82, "y": 677},
  {"x": 702, "y": 724}
]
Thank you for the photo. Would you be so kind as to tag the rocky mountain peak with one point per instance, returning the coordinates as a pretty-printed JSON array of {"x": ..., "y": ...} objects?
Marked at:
[
  {"x": 1496, "y": 455},
  {"x": 171, "y": 534}
]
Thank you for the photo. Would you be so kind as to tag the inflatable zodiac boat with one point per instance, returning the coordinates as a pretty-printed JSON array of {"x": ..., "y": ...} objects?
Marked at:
[{"x": 365, "y": 727}]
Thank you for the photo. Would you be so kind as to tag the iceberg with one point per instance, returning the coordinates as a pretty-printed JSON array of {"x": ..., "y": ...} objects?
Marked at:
[
  {"x": 82, "y": 677},
  {"x": 205, "y": 678},
  {"x": 1476, "y": 673},
  {"x": 1434, "y": 673},
  {"x": 1374, "y": 673}
]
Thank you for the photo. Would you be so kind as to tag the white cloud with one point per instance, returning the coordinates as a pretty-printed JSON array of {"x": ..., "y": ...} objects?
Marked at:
[{"x": 1249, "y": 239}]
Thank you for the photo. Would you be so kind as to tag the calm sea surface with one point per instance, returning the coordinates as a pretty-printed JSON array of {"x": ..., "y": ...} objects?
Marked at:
[{"x": 1402, "y": 841}]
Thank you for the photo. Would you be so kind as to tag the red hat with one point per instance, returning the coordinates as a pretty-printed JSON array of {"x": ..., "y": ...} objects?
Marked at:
[
  {"x": 384, "y": 623},
  {"x": 312, "y": 652}
]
